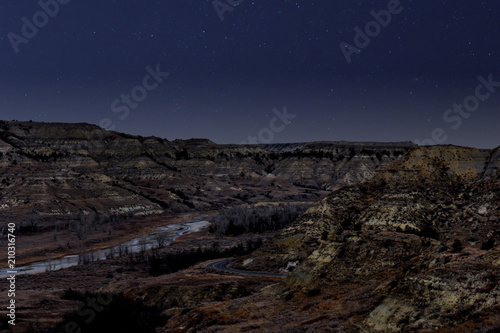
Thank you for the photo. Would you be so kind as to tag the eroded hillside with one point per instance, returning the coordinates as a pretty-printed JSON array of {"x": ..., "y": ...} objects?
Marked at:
[
  {"x": 52, "y": 172},
  {"x": 414, "y": 249}
]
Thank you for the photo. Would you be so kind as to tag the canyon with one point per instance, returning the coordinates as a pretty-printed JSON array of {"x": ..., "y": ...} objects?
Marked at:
[
  {"x": 53, "y": 172},
  {"x": 397, "y": 237}
]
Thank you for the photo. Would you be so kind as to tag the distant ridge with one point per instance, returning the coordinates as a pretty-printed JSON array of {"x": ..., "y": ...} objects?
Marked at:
[
  {"x": 330, "y": 144},
  {"x": 83, "y": 169}
]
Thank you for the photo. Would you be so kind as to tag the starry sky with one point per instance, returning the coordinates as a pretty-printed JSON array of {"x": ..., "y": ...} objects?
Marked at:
[{"x": 250, "y": 71}]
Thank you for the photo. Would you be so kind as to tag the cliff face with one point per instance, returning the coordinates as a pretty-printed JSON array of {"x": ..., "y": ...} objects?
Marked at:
[
  {"x": 54, "y": 172},
  {"x": 415, "y": 248},
  {"x": 403, "y": 239}
]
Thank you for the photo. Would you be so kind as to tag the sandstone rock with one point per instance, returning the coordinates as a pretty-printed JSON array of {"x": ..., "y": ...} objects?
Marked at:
[
  {"x": 400, "y": 252},
  {"x": 109, "y": 173}
]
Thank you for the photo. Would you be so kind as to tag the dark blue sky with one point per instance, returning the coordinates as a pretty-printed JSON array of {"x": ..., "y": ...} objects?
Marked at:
[{"x": 226, "y": 77}]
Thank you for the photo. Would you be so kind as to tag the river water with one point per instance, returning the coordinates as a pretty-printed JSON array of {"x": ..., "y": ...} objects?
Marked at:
[{"x": 145, "y": 242}]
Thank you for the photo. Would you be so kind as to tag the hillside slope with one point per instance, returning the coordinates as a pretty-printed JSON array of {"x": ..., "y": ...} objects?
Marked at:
[
  {"x": 51, "y": 172},
  {"x": 415, "y": 249}
]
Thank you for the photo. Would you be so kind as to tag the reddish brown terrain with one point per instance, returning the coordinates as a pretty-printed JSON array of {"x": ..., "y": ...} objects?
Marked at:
[
  {"x": 415, "y": 249},
  {"x": 397, "y": 238},
  {"x": 58, "y": 174}
]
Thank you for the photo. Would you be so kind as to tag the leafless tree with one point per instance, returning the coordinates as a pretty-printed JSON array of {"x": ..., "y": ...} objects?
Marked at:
[
  {"x": 83, "y": 227},
  {"x": 163, "y": 238},
  {"x": 51, "y": 266},
  {"x": 241, "y": 219}
]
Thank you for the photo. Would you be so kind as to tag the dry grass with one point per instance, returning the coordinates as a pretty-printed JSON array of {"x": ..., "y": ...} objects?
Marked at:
[{"x": 39, "y": 246}]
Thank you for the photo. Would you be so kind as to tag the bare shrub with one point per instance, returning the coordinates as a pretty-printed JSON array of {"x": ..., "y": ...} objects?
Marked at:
[
  {"x": 162, "y": 239},
  {"x": 245, "y": 219}
]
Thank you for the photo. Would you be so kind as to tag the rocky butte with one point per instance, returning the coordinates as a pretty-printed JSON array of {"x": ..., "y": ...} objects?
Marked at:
[
  {"x": 50, "y": 170},
  {"x": 414, "y": 249},
  {"x": 398, "y": 238}
]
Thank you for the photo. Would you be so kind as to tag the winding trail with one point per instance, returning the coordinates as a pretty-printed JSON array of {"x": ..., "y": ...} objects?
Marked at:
[{"x": 221, "y": 265}]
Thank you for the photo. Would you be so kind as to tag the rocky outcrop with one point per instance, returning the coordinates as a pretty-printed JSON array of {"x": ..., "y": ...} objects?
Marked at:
[
  {"x": 414, "y": 249},
  {"x": 493, "y": 165},
  {"x": 62, "y": 172}
]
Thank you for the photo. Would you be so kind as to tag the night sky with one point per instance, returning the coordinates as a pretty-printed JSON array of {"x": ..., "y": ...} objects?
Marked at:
[{"x": 407, "y": 78}]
